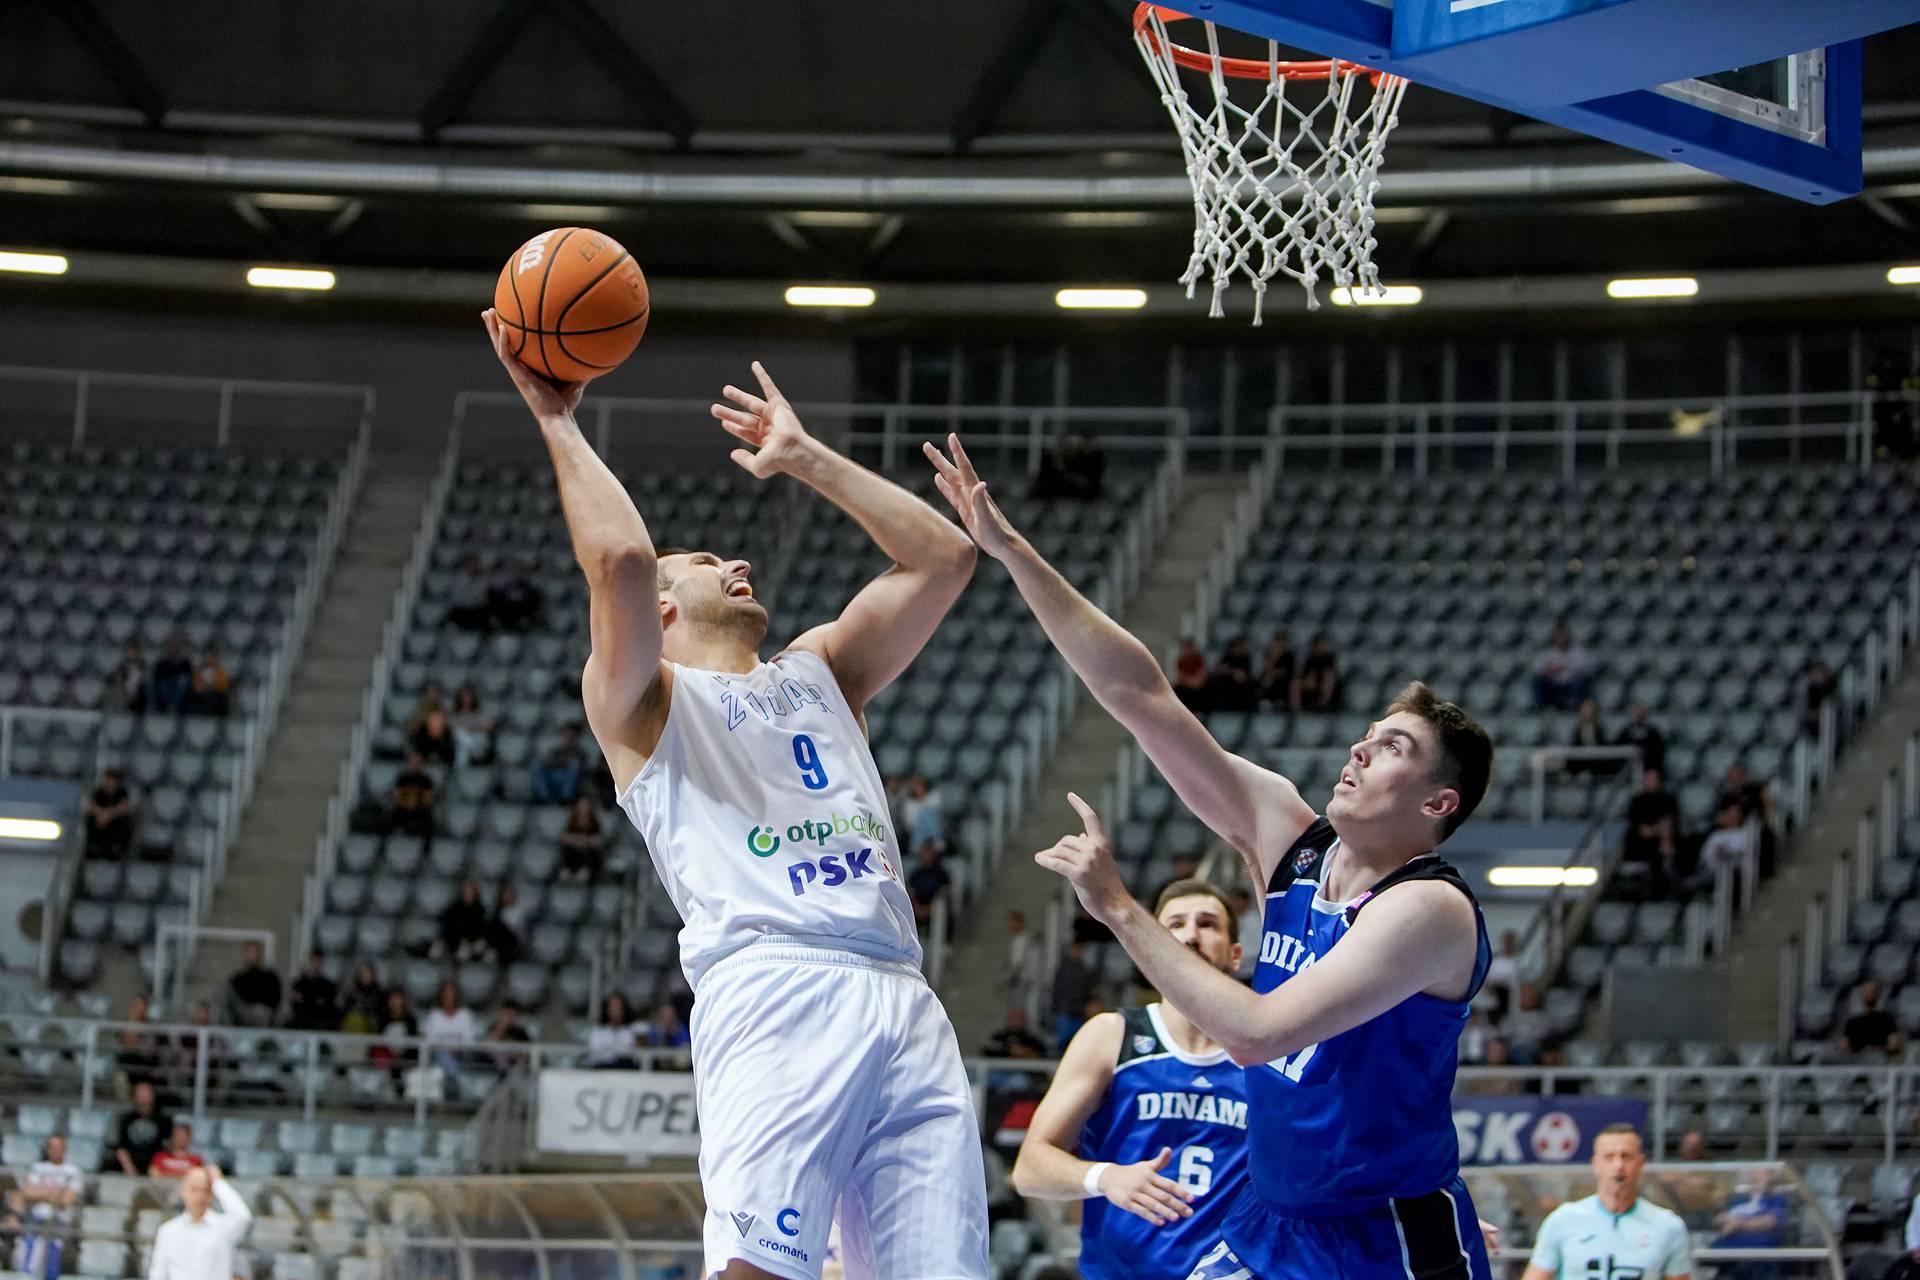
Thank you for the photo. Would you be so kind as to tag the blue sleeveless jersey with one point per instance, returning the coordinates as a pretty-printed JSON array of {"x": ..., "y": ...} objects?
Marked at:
[
  {"x": 1367, "y": 1117},
  {"x": 1162, "y": 1098}
]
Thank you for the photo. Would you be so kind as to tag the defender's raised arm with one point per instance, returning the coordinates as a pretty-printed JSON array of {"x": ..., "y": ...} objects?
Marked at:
[{"x": 1257, "y": 811}]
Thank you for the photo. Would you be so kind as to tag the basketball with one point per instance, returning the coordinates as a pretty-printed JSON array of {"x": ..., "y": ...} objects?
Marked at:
[{"x": 573, "y": 303}]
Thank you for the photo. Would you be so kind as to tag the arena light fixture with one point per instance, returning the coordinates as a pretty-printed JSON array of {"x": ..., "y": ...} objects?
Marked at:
[
  {"x": 1543, "y": 877},
  {"x": 1653, "y": 287},
  {"x": 829, "y": 295},
  {"x": 1100, "y": 299},
  {"x": 34, "y": 264},
  {"x": 29, "y": 829},
  {"x": 1389, "y": 295},
  {"x": 289, "y": 278},
  {"x": 1903, "y": 275}
]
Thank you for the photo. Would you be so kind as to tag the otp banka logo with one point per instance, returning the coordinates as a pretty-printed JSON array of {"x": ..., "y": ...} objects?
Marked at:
[{"x": 829, "y": 869}]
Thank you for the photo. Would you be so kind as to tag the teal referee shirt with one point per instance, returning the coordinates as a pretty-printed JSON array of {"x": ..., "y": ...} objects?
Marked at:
[{"x": 1584, "y": 1240}]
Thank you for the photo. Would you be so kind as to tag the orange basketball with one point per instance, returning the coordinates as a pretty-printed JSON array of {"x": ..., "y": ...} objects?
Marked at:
[{"x": 573, "y": 303}]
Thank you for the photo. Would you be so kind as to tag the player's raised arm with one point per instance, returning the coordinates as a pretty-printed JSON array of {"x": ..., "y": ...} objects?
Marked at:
[
  {"x": 1415, "y": 937},
  {"x": 610, "y": 541},
  {"x": 1256, "y": 810},
  {"x": 889, "y": 621},
  {"x": 1048, "y": 1169}
]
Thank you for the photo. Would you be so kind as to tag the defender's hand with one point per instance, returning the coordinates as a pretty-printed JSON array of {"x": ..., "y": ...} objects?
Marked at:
[
  {"x": 960, "y": 485},
  {"x": 1086, "y": 861},
  {"x": 768, "y": 423},
  {"x": 548, "y": 399},
  {"x": 1491, "y": 1235},
  {"x": 1141, "y": 1191}
]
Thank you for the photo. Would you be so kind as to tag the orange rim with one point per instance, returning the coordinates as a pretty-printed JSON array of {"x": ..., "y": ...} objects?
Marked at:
[{"x": 1239, "y": 68}]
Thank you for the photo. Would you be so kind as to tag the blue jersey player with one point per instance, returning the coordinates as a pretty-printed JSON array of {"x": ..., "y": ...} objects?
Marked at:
[
  {"x": 1146, "y": 1120},
  {"x": 1371, "y": 950}
]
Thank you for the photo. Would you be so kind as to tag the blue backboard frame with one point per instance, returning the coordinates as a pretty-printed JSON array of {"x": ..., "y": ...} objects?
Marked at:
[{"x": 1814, "y": 172}]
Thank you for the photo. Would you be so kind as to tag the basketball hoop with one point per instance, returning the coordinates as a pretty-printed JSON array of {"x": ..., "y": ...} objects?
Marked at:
[{"x": 1283, "y": 183}]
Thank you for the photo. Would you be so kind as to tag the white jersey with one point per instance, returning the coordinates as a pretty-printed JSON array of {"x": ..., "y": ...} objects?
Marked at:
[{"x": 765, "y": 815}]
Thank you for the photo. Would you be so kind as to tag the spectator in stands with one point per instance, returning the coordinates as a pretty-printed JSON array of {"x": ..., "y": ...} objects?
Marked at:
[
  {"x": 470, "y": 610},
  {"x": 212, "y": 687},
  {"x": 127, "y": 684},
  {"x": 138, "y": 1051},
  {"x": 182, "y": 1058},
  {"x": 363, "y": 1008},
  {"x": 507, "y": 925},
  {"x": 178, "y": 1156},
  {"x": 253, "y": 992},
  {"x": 1474, "y": 1038},
  {"x": 432, "y": 698},
  {"x": 472, "y": 729},
  {"x": 1653, "y": 823},
  {"x": 1817, "y": 687},
  {"x": 614, "y": 1043},
  {"x": 463, "y": 926},
  {"x": 1562, "y": 673},
  {"x": 449, "y": 1023},
  {"x": 1499, "y": 1054},
  {"x": 1589, "y": 732},
  {"x": 1072, "y": 984},
  {"x": 172, "y": 679},
  {"x": 1756, "y": 1217},
  {"x": 1318, "y": 686},
  {"x": 42, "y": 1207},
  {"x": 1230, "y": 681},
  {"x": 1869, "y": 1034},
  {"x": 1070, "y": 468},
  {"x": 1725, "y": 845},
  {"x": 1692, "y": 1146},
  {"x": 506, "y": 1029},
  {"x": 1249, "y": 927},
  {"x": 398, "y": 1026},
  {"x": 1019, "y": 968},
  {"x": 1640, "y": 732},
  {"x": 197, "y": 1245},
  {"x": 413, "y": 799},
  {"x": 1526, "y": 1026},
  {"x": 1015, "y": 1039},
  {"x": 514, "y": 599},
  {"x": 433, "y": 741},
  {"x": 1754, "y": 798},
  {"x": 924, "y": 814},
  {"x": 109, "y": 813},
  {"x": 143, "y": 1131},
  {"x": 1190, "y": 676},
  {"x": 314, "y": 1004},
  {"x": 557, "y": 773},
  {"x": 667, "y": 1031},
  {"x": 1504, "y": 974},
  {"x": 927, "y": 883},
  {"x": 1277, "y": 672},
  {"x": 583, "y": 843}
]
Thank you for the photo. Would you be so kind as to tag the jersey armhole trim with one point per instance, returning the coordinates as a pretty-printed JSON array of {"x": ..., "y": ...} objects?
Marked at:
[{"x": 1213, "y": 1059}]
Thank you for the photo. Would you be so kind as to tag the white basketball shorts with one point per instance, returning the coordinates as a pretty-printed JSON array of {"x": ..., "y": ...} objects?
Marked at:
[{"x": 830, "y": 1082}]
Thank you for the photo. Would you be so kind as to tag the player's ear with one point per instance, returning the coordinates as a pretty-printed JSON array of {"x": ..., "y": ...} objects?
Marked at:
[
  {"x": 668, "y": 611},
  {"x": 1441, "y": 803},
  {"x": 1237, "y": 952}
]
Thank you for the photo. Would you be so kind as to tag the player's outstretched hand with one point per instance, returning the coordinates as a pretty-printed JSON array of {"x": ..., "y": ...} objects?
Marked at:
[
  {"x": 1143, "y": 1192},
  {"x": 960, "y": 485},
  {"x": 767, "y": 422},
  {"x": 1491, "y": 1235},
  {"x": 547, "y": 399},
  {"x": 1086, "y": 860}
]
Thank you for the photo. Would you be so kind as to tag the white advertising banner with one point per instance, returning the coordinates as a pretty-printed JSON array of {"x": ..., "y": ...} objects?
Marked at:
[{"x": 616, "y": 1113}]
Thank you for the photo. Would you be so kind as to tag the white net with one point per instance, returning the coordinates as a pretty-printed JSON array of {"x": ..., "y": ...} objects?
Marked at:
[{"x": 1284, "y": 179}]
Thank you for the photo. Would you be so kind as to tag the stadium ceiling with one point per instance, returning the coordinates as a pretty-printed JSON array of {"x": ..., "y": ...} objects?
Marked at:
[{"x": 1000, "y": 141}]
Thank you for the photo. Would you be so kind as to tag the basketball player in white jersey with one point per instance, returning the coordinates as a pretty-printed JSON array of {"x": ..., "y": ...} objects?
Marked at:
[{"x": 827, "y": 1076}]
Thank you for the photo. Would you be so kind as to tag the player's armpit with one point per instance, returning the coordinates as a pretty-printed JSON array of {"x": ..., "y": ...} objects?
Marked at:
[
  {"x": 1417, "y": 937},
  {"x": 1046, "y": 1168},
  {"x": 1253, "y": 809},
  {"x": 886, "y": 624}
]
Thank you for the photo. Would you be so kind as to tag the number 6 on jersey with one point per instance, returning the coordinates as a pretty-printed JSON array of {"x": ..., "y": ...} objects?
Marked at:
[{"x": 813, "y": 774}]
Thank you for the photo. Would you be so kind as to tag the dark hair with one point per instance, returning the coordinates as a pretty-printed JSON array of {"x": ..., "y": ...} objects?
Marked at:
[
  {"x": 1465, "y": 753},
  {"x": 1620, "y": 1129},
  {"x": 1194, "y": 888},
  {"x": 661, "y": 578}
]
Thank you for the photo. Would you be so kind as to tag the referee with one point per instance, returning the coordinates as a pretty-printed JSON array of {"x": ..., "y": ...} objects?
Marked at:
[
  {"x": 1613, "y": 1234},
  {"x": 198, "y": 1245}
]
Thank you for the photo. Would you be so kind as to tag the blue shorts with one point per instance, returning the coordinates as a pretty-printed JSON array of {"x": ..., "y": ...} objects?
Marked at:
[{"x": 1430, "y": 1237}]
